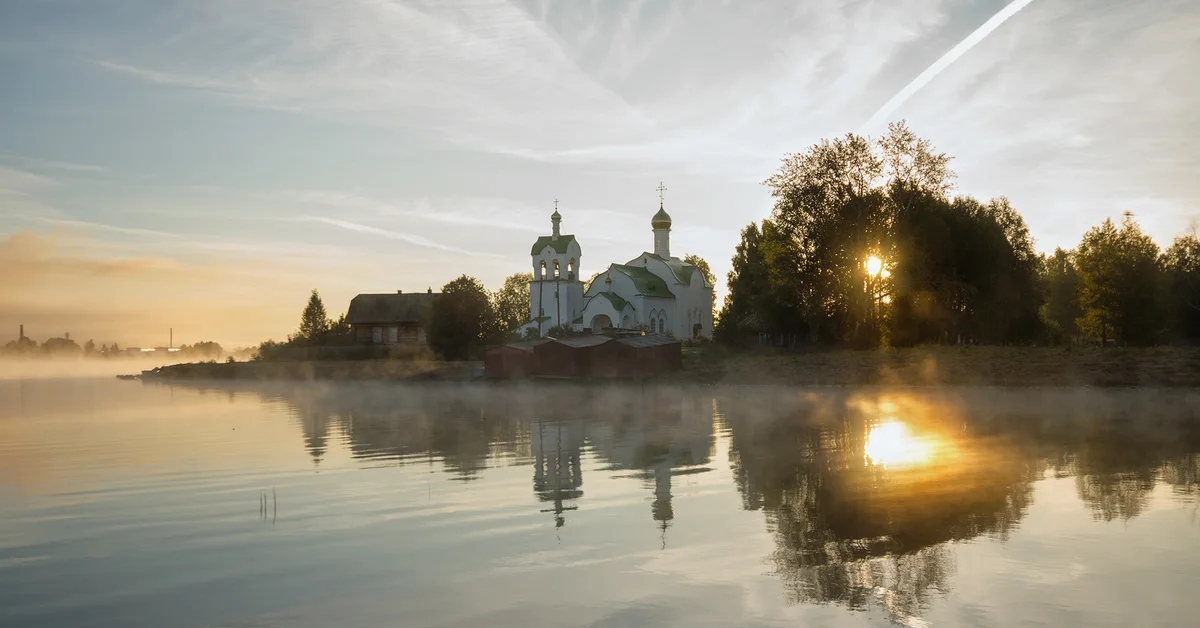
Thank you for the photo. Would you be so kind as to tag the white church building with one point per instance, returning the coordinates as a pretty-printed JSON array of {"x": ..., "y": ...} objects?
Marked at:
[{"x": 653, "y": 292}]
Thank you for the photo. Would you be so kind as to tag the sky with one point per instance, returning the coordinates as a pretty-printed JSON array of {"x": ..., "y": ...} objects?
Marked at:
[{"x": 202, "y": 166}]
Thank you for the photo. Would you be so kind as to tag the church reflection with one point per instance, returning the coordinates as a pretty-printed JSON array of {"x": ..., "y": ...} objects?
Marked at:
[
  {"x": 557, "y": 471},
  {"x": 656, "y": 435}
]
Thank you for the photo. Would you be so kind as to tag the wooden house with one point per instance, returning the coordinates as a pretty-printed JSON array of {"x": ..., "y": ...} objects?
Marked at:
[{"x": 390, "y": 319}]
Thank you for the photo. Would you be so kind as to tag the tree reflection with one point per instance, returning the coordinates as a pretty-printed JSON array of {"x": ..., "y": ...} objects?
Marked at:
[{"x": 852, "y": 528}]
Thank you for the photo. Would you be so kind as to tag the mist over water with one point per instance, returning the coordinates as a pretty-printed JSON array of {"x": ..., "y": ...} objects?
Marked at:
[{"x": 361, "y": 504}]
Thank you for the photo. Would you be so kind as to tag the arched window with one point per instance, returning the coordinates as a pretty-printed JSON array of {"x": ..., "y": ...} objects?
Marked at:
[
  {"x": 542, "y": 271},
  {"x": 572, "y": 272},
  {"x": 556, "y": 269}
]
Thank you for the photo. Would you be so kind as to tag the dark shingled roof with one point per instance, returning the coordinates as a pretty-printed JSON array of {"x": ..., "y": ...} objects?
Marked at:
[
  {"x": 559, "y": 245},
  {"x": 388, "y": 308},
  {"x": 649, "y": 340}
]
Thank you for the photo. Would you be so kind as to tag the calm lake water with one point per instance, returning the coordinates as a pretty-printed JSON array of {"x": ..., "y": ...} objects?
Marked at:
[{"x": 141, "y": 504}]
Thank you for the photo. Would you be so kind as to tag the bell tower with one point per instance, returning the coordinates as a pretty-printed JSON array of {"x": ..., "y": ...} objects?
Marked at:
[{"x": 556, "y": 292}]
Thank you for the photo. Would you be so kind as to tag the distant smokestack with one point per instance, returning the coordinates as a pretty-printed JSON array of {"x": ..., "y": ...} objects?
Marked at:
[
  {"x": 172, "y": 340},
  {"x": 22, "y": 332}
]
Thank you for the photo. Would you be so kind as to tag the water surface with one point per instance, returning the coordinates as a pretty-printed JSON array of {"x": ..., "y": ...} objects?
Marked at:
[{"x": 141, "y": 504}]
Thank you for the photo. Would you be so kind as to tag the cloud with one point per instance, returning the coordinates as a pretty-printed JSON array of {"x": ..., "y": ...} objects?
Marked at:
[
  {"x": 16, "y": 180},
  {"x": 457, "y": 211},
  {"x": 48, "y": 164},
  {"x": 548, "y": 81},
  {"x": 415, "y": 240},
  {"x": 57, "y": 283}
]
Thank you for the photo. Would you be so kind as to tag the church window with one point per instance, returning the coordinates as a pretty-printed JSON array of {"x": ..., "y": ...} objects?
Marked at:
[
  {"x": 542, "y": 271},
  {"x": 571, "y": 269},
  {"x": 556, "y": 269},
  {"x": 662, "y": 325}
]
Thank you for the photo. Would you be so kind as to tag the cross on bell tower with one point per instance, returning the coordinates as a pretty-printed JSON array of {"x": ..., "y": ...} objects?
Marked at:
[{"x": 661, "y": 188}]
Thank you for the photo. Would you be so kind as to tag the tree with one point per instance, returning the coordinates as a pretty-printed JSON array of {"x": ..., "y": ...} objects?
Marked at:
[
  {"x": 865, "y": 246},
  {"x": 462, "y": 319},
  {"x": 313, "y": 321},
  {"x": 511, "y": 302},
  {"x": 89, "y": 347},
  {"x": 1060, "y": 282},
  {"x": 702, "y": 265},
  {"x": 338, "y": 332},
  {"x": 61, "y": 346},
  {"x": 1118, "y": 274},
  {"x": 1181, "y": 284}
]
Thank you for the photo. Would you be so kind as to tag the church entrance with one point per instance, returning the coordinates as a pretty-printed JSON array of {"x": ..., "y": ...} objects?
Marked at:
[{"x": 601, "y": 322}]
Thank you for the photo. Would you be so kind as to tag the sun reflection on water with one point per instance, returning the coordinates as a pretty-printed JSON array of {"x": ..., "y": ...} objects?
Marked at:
[{"x": 891, "y": 445}]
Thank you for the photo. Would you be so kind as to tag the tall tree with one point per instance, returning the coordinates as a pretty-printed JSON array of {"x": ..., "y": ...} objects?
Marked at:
[
  {"x": 864, "y": 244},
  {"x": 1118, "y": 273},
  {"x": 1060, "y": 282},
  {"x": 1181, "y": 283},
  {"x": 511, "y": 302},
  {"x": 462, "y": 319},
  {"x": 314, "y": 322}
]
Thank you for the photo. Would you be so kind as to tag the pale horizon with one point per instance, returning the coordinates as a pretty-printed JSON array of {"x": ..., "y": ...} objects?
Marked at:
[{"x": 204, "y": 166}]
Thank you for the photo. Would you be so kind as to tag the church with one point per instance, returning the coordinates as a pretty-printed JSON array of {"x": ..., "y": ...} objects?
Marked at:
[{"x": 653, "y": 292}]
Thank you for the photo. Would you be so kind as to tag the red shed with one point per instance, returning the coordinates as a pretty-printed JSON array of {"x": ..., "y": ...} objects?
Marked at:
[
  {"x": 644, "y": 356},
  {"x": 567, "y": 357},
  {"x": 515, "y": 360}
]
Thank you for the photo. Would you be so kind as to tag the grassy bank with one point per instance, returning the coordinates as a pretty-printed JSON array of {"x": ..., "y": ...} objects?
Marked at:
[
  {"x": 927, "y": 366},
  {"x": 398, "y": 370},
  {"x": 922, "y": 366}
]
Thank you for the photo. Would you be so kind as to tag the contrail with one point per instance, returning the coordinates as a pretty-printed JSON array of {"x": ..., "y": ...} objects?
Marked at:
[{"x": 944, "y": 62}]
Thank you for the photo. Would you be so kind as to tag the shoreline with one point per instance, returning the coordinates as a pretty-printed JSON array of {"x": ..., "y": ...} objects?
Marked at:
[{"x": 1160, "y": 367}]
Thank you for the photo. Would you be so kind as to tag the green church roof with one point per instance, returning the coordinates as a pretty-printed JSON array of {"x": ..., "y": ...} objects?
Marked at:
[
  {"x": 559, "y": 245},
  {"x": 682, "y": 270},
  {"x": 645, "y": 282},
  {"x": 618, "y": 303}
]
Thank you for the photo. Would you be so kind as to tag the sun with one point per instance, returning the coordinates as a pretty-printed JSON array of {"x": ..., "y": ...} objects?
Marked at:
[
  {"x": 891, "y": 444},
  {"x": 874, "y": 266}
]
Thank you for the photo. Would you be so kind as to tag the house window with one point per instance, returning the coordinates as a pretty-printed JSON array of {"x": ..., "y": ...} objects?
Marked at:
[
  {"x": 376, "y": 335},
  {"x": 393, "y": 335}
]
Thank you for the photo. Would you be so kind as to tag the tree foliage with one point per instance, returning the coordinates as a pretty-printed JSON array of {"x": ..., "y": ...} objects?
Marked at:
[
  {"x": 701, "y": 264},
  {"x": 1060, "y": 283},
  {"x": 314, "y": 321},
  {"x": 1118, "y": 273},
  {"x": 462, "y": 319},
  {"x": 865, "y": 246},
  {"x": 511, "y": 302},
  {"x": 1181, "y": 282}
]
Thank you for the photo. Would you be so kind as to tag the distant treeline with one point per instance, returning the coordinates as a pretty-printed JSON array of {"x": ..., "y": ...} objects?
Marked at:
[
  {"x": 66, "y": 346},
  {"x": 866, "y": 247}
]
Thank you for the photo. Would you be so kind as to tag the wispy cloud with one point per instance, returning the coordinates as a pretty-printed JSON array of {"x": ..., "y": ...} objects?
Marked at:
[
  {"x": 18, "y": 180},
  {"x": 409, "y": 238},
  {"x": 48, "y": 164},
  {"x": 456, "y": 211}
]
